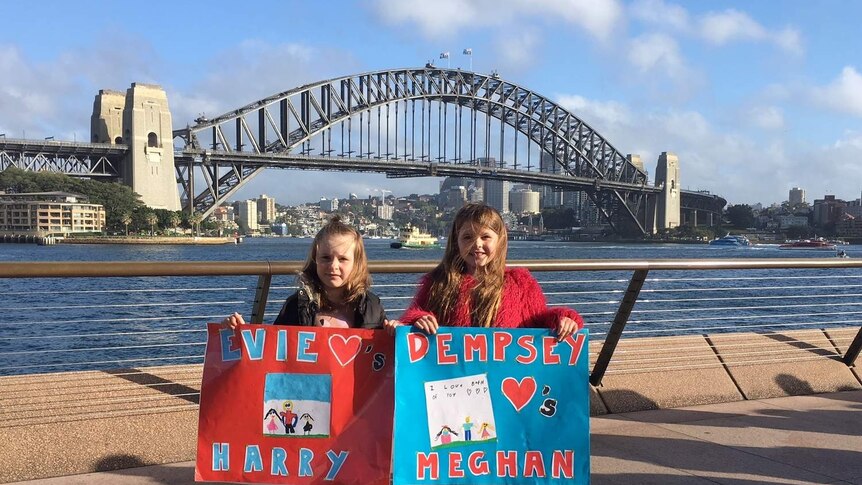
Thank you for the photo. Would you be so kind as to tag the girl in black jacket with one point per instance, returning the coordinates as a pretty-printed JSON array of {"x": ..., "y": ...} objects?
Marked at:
[{"x": 333, "y": 285}]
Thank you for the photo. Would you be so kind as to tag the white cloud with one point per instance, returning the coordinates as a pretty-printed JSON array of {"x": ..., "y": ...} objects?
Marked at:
[
  {"x": 516, "y": 52},
  {"x": 765, "y": 117},
  {"x": 54, "y": 97},
  {"x": 598, "y": 17},
  {"x": 656, "y": 53},
  {"x": 658, "y": 12},
  {"x": 259, "y": 69},
  {"x": 444, "y": 18},
  {"x": 843, "y": 95},
  {"x": 609, "y": 113},
  {"x": 731, "y": 25},
  {"x": 737, "y": 165},
  {"x": 717, "y": 28}
]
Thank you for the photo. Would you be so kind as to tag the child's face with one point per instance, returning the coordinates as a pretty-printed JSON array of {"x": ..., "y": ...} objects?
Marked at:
[
  {"x": 335, "y": 260},
  {"x": 477, "y": 246}
]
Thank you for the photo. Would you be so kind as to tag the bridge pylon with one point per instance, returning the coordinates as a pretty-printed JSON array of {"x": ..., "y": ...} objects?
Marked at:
[
  {"x": 141, "y": 120},
  {"x": 669, "y": 200}
]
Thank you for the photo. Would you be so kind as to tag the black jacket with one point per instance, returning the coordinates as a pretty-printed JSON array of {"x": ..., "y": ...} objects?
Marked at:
[{"x": 300, "y": 309}]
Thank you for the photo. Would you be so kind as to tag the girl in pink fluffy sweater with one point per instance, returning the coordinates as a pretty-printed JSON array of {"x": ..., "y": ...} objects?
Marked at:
[{"x": 471, "y": 287}]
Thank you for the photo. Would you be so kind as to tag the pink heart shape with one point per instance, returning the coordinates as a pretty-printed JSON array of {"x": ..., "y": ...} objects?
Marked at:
[
  {"x": 519, "y": 393},
  {"x": 345, "y": 349}
]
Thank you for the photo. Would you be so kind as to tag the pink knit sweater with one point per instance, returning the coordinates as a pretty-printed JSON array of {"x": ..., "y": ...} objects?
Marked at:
[{"x": 523, "y": 304}]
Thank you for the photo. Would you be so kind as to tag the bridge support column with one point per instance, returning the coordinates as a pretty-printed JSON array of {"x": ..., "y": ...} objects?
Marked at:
[
  {"x": 148, "y": 130},
  {"x": 140, "y": 119},
  {"x": 668, "y": 207}
]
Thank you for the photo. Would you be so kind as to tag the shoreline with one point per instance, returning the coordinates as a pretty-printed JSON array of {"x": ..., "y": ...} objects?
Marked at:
[{"x": 200, "y": 240}]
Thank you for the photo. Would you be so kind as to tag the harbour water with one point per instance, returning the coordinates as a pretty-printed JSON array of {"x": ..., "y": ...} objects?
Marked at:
[{"x": 83, "y": 323}]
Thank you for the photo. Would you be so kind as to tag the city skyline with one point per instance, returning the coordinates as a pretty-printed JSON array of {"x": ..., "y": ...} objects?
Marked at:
[{"x": 751, "y": 98}]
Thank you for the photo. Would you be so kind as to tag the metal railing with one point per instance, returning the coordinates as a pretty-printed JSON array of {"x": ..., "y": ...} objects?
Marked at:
[{"x": 123, "y": 323}]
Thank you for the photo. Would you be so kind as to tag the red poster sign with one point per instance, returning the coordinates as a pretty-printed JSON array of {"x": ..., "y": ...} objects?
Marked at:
[{"x": 296, "y": 405}]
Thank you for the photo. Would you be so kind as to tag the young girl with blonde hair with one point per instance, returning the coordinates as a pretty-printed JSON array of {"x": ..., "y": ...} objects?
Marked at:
[
  {"x": 333, "y": 285},
  {"x": 471, "y": 287}
]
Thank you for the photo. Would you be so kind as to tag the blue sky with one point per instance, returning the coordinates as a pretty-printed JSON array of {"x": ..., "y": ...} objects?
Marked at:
[{"x": 754, "y": 97}]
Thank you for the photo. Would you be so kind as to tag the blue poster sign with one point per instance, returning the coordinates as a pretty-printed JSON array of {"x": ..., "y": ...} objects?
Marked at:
[{"x": 491, "y": 406}]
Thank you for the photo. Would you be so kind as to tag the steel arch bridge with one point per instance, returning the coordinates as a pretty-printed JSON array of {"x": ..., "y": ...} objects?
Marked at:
[{"x": 412, "y": 122}]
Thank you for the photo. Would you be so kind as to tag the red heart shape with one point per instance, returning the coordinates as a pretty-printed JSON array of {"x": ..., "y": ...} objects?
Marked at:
[
  {"x": 519, "y": 393},
  {"x": 345, "y": 349}
]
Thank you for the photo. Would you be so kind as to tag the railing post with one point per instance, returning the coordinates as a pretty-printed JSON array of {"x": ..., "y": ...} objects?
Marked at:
[
  {"x": 616, "y": 330},
  {"x": 853, "y": 350},
  {"x": 260, "y": 297}
]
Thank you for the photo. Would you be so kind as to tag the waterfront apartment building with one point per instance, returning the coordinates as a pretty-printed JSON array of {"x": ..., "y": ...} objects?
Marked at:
[
  {"x": 791, "y": 220},
  {"x": 49, "y": 213},
  {"x": 265, "y": 208},
  {"x": 245, "y": 212},
  {"x": 827, "y": 210}
]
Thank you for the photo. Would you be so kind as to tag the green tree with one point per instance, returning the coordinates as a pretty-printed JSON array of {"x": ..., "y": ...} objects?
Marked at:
[
  {"x": 195, "y": 220},
  {"x": 125, "y": 220},
  {"x": 559, "y": 218},
  {"x": 798, "y": 232},
  {"x": 740, "y": 216},
  {"x": 152, "y": 219},
  {"x": 174, "y": 220}
]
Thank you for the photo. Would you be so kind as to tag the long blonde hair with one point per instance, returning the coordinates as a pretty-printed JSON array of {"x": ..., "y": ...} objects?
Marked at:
[
  {"x": 484, "y": 298},
  {"x": 359, "y": 280}
]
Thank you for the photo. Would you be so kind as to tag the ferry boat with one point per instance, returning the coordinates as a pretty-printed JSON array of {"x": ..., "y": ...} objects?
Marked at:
[
  {"x": 731, "y": 240},
  {"x": 412, "y": 238},
  {"x": 815, "y": 244}
]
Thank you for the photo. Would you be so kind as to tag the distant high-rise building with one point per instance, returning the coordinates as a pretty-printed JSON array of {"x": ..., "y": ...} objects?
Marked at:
[
  {"x": 246, "y": 215},
  {"x": 550, "y": 197},
  {"x": 265, "y": 208},
  {"x": 524, "y": 201},
  {"x": 636, "y": 161},
  {"x": 454, "y": 197},
  {"x": 497, "y": 194},
  {"x": 797, "y": 196},
  {"x": 328, "y": 205},
  {"x": 385, "y": 212},
  {"x": 827, "y": 210}
]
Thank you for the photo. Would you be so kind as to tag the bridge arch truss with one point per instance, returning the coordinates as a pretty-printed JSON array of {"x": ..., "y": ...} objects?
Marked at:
[{"x": 413, "y": 122}]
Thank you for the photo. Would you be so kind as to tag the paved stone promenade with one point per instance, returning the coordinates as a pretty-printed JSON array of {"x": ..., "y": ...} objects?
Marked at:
[{"x": 786, "y": 440}]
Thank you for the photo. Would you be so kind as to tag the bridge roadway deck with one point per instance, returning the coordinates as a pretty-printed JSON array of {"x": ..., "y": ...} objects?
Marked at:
[{"x": 786, "y": 440}]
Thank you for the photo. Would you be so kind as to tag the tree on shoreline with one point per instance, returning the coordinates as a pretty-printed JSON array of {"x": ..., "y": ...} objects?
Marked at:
[
  {"x": 116, "y": 198},
  {"x": 125, "y": 220}
]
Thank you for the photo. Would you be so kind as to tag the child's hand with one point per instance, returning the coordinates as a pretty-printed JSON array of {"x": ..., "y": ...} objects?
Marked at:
[
  {"x": 231, "y": 321},
  {"x": 427, "y": 323},
  {"x": 390, "y": 326},
  {"x": 566, "y": 327}
]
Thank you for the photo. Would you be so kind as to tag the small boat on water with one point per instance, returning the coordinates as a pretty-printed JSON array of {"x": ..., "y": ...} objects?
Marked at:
[
  {"x": 731, "y": 240},
  {"x": 810, "y": 244},
  {"x": 412, "y": 238}
]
